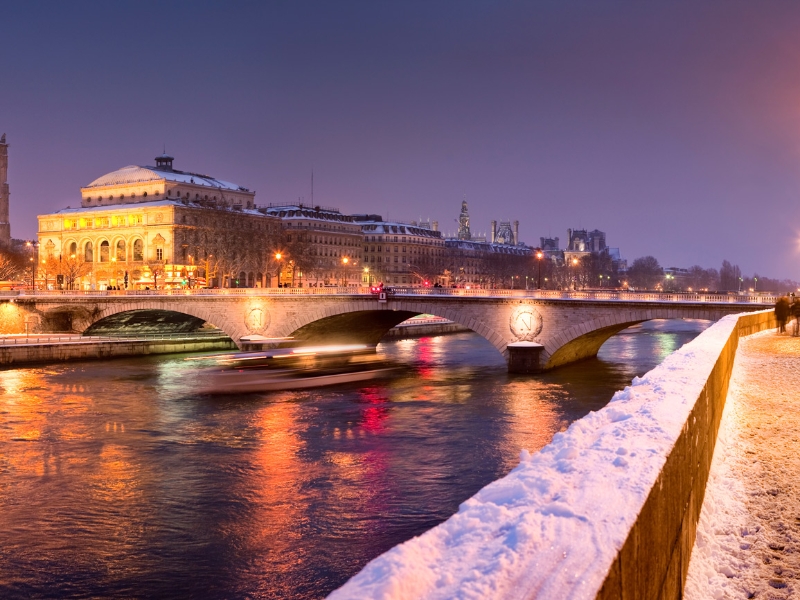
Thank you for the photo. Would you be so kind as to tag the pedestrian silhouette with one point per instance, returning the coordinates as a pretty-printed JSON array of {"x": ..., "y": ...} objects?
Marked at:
[
  {"x": 782, "y": 311},
  {"x": 796, "y": 314}
]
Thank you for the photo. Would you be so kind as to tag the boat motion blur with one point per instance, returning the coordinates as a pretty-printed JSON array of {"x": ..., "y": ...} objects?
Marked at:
[{"x": 295, "y": 369}]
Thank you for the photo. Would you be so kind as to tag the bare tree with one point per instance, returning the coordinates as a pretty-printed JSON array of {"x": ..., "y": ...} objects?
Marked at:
[
  {"x": 72, "y": 268},
  {"x": 645, "y": 273}
]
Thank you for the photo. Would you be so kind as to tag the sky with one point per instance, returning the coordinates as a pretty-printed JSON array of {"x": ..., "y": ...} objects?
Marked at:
[{"x": 672, "y": 126}]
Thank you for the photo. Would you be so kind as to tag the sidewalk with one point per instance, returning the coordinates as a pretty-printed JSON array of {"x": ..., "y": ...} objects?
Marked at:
[{"x": 748, "y": 538}]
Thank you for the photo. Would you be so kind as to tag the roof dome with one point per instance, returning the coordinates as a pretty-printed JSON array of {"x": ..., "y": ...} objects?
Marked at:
[{"x": 129, "y": 174}]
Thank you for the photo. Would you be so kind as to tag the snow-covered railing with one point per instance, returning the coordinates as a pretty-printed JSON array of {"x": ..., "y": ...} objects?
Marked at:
[
  {"x": 607, "y": 510},
  {"x": 589, "y": 295}
]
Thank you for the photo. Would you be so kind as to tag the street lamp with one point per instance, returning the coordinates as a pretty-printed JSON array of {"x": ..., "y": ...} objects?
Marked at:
[
  {"x": 755, "y": 284},
  {"x": 345, "y": 261},
  {"x": 369, "y": 277},
  {"x": 539, "y": 257},
  {"x": 208, "y": 278},
  {"x": 32, "y": 246},
  {"x": 278, "y": 257},
  {"x": 574, "y": 282}
]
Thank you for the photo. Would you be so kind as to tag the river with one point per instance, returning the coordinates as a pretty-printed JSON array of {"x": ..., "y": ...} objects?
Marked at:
[{"x": 117, "y": 479}]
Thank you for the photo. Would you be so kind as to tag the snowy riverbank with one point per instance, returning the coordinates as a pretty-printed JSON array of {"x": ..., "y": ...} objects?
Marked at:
[{"x": 556, "y": 525}]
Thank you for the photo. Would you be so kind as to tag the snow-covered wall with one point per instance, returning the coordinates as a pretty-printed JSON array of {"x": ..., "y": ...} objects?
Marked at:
[{"x": 607, "y": 510}]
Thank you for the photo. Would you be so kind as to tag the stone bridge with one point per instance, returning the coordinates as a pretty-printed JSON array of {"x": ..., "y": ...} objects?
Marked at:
[{"x": 534, "y": 330}]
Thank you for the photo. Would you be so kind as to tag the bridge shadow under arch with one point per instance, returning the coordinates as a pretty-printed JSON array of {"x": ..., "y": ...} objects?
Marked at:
[
  {"x": 146, "y": 321},
  {"x": 360, "y": 327}
]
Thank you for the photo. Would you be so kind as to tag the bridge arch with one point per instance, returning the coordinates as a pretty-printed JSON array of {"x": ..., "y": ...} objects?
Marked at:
[
  {"x": 583, "y": 340},
  {"x": 153, "y": 316},
  {"x": 366, "y": 322}
]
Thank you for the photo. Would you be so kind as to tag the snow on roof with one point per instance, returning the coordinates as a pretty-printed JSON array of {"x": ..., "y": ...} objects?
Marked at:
[
  {"x": 155, "y": 204},
  {"x": 553, "y": 526},
  {"x": 136, "y": 174}
]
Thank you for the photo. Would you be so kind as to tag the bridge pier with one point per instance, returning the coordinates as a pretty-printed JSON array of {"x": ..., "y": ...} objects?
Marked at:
[{"x": 525, "y": 357}]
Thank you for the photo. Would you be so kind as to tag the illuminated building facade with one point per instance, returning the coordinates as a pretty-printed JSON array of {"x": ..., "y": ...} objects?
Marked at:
[
  {"x": 155, "y": 226},
  {"x": 320, "y": 246}
]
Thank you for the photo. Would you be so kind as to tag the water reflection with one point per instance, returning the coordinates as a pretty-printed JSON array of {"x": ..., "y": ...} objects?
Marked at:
[{"x": 117, "y": 480}]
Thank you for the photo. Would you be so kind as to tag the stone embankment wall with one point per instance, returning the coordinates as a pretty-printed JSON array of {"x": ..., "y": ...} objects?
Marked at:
[
  {"x": 608, "y": 509},
  {"x": 25, "y": 354},
  {"x": 654, "y": 560},
  {"x": 410, "y": 331}
]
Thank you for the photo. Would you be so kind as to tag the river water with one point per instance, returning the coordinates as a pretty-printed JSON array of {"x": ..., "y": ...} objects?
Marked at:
[{"x": 118, "y": 480}]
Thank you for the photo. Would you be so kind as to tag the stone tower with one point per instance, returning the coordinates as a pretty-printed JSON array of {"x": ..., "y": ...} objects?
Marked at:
[
  {"x": 463, "y": 223},
  {"x": 5, "y": 226}
]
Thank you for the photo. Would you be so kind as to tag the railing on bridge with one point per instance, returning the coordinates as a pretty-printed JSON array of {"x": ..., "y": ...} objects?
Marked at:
[{"x": 592, "y": 295}]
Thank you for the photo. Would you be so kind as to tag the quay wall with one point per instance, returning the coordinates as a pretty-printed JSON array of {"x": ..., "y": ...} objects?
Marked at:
[
  {"x": 654, "y": 560},
  {"x": 27, "y": 354},
  {"x": 410, "y": 331},
  {"x": 608, "y": 509}
]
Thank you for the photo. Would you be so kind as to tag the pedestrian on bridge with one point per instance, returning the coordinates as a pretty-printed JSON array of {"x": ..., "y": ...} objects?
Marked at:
[{"x": 782, "y": 312}]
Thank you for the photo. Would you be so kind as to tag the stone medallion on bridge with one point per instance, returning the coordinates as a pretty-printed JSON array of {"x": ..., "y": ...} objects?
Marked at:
[
  {"x": 256, "y": 320},
  {"x": 525, "y": 323}
]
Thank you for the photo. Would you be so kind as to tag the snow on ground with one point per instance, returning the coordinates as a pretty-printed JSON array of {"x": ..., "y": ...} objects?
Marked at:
[
  {"x": 748, "y": 539},
  {"x": 552, "y": 527}
]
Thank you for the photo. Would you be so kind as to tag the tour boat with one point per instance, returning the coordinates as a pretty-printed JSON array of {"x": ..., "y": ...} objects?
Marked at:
[{"x": 295, "y": 369}]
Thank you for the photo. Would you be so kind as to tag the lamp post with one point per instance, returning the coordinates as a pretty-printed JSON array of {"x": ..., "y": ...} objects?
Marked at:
[
  {"x": 574, "y": 266},
  {"x": 278, "y": 257},
  {"x": 345, "y": 262},
  {"x": 740, "y": 284},
  {"x": 755, "y": 284},
  {"x": 208, "y": 276},
  {"x": 539, "y": 257},
  {"x": 32, "y": 246},
  {"x": 368, "y": 276}
]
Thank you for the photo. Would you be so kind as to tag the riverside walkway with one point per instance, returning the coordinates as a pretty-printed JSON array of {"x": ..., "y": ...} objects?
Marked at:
[{"x": 748, "y": 537}]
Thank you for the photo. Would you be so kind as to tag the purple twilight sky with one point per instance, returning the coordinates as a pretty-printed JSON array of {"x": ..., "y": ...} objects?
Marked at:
[{"x": 672, "y": 126}]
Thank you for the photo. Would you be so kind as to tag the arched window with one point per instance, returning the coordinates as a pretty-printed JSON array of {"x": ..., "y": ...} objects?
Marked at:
[
  {"x": 104, "y": 251},
  {"x": 138, "y": 250},
  {"x": 88, "y": 255},
  {"x": 73, "y": 249},
  {"x": 120, "y": 254}
]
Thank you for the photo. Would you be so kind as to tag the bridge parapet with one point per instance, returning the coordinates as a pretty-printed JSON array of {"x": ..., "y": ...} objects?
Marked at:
[{"x": 589, "y": 295}]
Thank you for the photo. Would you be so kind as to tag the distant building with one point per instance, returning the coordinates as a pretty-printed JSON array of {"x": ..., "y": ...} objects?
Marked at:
[
  {"x": 5, "y": 225},
  {"x": 581, "y": 242},
  {"x": 400, "y": 253},
  {"x": 321, "y": 245},
  {"x": 550, "y": 248},
  {"x": 472, "y": 261}
]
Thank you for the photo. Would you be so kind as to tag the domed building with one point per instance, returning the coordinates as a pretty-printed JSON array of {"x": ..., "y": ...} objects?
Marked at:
[{"x": 150, "y": 226}]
